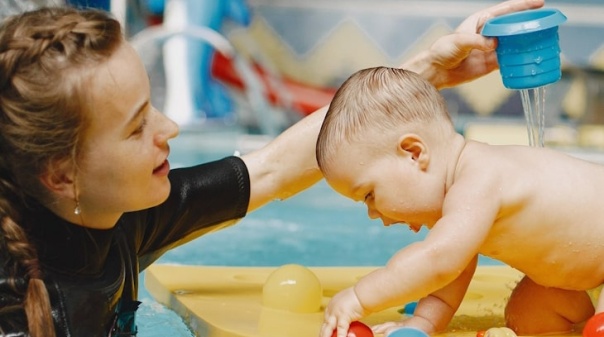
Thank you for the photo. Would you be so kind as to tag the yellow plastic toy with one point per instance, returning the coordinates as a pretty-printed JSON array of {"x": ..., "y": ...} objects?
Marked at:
[{"x": 254, "y": 301}]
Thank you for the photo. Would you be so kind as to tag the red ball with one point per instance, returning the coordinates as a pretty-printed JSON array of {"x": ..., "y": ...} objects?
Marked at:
[
  {"x": 480, "y": 333},
  {"x": 356, "y": 329},
  {"x": 594, "y": 326}
]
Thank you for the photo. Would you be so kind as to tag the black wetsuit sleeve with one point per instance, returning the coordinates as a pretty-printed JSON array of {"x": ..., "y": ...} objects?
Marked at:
[{"x": 202, "y": 198}]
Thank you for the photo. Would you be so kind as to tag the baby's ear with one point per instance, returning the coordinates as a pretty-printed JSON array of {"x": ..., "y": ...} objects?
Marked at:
[
  {"x": 415, "y": 148},
  {"x": 58, "y": 178}
]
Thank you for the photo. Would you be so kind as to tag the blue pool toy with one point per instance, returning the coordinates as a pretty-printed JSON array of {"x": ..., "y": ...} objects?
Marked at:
[
  {"x": 408, "y": 332},
  {"x": 528, "y": 50},
  {"x": 409, "y": 308},
  {"x": 211, "y": 96},
  {"x": 100, "y": 4},
  {"x": 155, "y": 7}
]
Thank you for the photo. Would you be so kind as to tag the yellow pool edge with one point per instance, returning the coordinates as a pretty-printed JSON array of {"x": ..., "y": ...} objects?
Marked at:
[{"x": 217, "y": 301}]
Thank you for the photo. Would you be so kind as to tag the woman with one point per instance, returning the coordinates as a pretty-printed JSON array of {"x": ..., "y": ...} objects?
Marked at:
[{"x": 87, "y": 198}]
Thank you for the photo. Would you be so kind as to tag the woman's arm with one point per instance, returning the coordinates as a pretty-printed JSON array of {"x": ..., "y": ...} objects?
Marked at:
[{"x": 287, "y": 165}]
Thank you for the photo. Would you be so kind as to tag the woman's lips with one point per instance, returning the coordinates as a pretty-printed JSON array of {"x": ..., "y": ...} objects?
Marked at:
[{"x": 162, "y": 169}]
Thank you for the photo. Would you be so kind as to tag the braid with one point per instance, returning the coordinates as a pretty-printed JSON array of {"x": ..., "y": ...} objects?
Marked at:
[
  {"x": 46, "y": 56},
  {"x": 37, "y": 302}
]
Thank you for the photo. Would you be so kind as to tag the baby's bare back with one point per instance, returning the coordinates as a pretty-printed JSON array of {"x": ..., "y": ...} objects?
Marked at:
[{"x": 551, "y": 220}]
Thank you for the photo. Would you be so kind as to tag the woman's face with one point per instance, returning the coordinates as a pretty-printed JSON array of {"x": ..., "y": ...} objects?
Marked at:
[{"x": 124, "y": 164}]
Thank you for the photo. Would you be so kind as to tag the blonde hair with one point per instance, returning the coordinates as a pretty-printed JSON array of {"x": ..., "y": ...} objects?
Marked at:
[
  {"x": 46, "y": 57},
  {"x": 378, "y": 99}
]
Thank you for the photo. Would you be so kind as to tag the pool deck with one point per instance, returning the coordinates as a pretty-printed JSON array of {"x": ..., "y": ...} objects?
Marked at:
[{"x": 227, "y": 301}]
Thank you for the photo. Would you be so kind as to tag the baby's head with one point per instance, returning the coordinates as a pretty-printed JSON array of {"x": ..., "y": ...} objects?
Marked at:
[
  {"x": 383, "y": 128},
  {"x": 376, "y": 104}
]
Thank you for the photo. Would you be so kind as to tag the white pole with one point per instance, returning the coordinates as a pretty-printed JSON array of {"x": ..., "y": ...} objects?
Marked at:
[{"x": 119, "y": 9}]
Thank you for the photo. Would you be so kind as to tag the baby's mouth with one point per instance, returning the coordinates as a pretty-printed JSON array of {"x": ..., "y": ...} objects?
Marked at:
[{"x": 414, "y": 228}]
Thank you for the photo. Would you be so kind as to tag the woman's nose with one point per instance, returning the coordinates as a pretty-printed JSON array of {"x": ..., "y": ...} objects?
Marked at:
[{"x": 168, "y": 128}]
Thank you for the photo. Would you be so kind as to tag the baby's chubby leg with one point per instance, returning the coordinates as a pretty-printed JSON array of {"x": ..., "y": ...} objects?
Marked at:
[{"x": 537, "y": 310}]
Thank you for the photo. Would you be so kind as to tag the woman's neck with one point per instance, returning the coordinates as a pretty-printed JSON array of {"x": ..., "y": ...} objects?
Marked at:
[{"x": 85, "y": 216}]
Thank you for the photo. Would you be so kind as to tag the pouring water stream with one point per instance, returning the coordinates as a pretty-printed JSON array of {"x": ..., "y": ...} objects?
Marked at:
[
  {"x": 528, "y": 54},
  {"x": 533, "y": 103}
]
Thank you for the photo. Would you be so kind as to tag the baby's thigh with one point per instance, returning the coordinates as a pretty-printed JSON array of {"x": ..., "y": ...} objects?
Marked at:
[{"x": 535, "y": 309}]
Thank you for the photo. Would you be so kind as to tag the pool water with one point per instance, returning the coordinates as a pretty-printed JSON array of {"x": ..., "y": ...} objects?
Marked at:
[{"x": 317, "y": 227}]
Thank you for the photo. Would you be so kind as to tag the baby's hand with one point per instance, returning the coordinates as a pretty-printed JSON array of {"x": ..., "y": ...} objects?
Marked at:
[
  {"x": 386, "y": 328},
  {"x": 415, "y": 322},
  {"x": 343, "y": 308}
]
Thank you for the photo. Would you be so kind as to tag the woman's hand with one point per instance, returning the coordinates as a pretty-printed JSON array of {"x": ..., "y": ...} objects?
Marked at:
[{"x": 465, "y": 54}]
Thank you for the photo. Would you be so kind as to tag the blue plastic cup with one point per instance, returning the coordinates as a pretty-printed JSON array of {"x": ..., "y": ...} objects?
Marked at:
[
  {"x": 408, "y": 332},
  {"x": 528, "y": 50}
]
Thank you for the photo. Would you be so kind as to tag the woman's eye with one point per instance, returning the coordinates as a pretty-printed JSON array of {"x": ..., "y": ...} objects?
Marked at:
[{"x": 140, "y": 128}]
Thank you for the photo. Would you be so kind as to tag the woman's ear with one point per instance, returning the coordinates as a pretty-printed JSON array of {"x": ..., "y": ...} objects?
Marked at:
[
  {"x": 59, "y": 178},
  {"x": 415, "y": 148}
]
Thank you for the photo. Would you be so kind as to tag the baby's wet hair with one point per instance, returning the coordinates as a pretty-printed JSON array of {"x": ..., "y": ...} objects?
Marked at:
[{"x": 377, "y": 99}]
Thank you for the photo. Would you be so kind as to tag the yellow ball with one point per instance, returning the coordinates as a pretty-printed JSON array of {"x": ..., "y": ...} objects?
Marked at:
[
  {"x": 293, "y": 288},
  {"x": 500, "y": 332}
]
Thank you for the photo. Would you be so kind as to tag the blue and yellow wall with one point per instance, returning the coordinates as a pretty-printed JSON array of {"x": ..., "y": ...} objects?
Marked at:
[{"x": 322, "y": 42}]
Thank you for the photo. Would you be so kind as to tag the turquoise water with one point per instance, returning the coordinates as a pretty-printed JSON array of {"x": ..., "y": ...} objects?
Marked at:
[{"x": 317, "y": 227}]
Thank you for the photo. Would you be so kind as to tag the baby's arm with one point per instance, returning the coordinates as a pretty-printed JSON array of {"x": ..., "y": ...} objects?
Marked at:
[
  {"x": 435, "y": 311},
  {"x": 446, "y": 257},
  {"x": 423, "y": 267},
  {"x": 432, "y": 314}
]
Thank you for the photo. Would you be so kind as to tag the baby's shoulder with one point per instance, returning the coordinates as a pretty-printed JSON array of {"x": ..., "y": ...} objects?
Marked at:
[{"x": 478, "y": 154}]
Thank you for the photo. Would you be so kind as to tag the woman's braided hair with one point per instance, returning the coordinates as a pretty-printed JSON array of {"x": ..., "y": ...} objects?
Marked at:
[{"x": 46, "y": 58}]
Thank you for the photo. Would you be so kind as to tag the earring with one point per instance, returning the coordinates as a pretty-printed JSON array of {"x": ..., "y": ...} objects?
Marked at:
[{"x": 77, "y": 210}]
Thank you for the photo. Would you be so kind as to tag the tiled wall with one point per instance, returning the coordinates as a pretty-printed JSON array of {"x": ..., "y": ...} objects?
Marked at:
[{"x": 321, "y": 42}]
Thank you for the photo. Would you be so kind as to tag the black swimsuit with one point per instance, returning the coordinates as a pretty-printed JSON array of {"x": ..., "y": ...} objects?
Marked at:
[{"x": 92, "y": 275}]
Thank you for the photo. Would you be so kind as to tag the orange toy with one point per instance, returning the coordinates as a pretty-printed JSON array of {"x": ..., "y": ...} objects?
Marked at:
[{"x": 302, "y": 98}]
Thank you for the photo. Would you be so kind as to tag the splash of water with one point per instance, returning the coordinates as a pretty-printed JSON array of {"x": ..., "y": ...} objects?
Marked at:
[{"x": 533, "y": 103}]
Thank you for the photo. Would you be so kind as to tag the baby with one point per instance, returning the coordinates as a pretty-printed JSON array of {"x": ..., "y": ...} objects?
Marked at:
[{"x": 388, "y": 141}]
